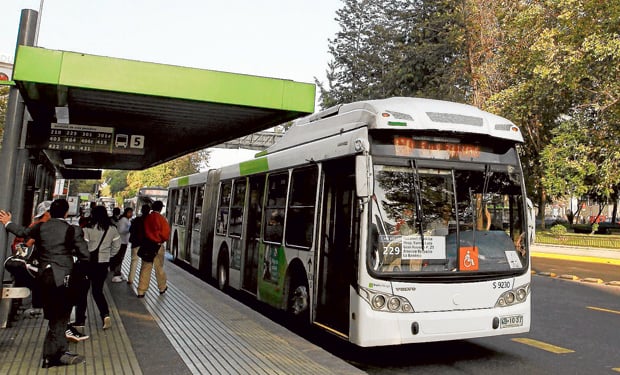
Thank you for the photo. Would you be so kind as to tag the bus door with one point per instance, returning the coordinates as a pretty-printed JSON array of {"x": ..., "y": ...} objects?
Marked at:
[
  {"x": 253, "y": 226},
  {"x": 197, "y": 194},
  {"x": 339, "y": 231},
  {"x": 235, "y": 230}
]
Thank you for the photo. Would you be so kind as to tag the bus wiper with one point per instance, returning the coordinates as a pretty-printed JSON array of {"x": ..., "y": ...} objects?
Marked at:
[{"x": 418, "y": 201}]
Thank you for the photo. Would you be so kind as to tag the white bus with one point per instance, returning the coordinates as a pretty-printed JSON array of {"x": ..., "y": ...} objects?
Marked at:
[
  {"x": 384, "y": 222},
  {"x": 147, "y": 195}
]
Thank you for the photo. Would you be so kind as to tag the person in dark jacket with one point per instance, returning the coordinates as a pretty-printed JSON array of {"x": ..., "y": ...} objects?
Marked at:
[
  {"x": 58, "y": 242},
  {"x": 136, "y": 236}
]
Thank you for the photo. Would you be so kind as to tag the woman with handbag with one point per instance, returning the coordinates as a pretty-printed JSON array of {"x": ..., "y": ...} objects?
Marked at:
[{"x": 103, "y": 243}]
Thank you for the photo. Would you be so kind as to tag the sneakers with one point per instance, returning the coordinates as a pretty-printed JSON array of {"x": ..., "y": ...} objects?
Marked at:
[
  {"x": 107, "y": 322},
  {"x": 64, "y": 360},
  {"x": 117, "y": 279},
  {"x": 164, "y": 291},
  {"x": 71, "y": 359},
  {"x": 74, "y": 335}
]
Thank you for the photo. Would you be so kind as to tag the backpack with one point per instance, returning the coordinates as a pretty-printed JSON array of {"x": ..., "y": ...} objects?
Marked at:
[{"x": 136, "y": 231}]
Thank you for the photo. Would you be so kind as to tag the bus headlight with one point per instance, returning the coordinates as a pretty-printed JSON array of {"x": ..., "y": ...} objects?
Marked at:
[
  {"x": 379, "y": 301},
  {"x": 514, "y": 296},
  {"x": 394, "y": 304}
]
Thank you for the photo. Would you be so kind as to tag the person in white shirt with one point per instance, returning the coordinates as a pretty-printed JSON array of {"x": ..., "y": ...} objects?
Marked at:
[{"x": 122, "y": 226}]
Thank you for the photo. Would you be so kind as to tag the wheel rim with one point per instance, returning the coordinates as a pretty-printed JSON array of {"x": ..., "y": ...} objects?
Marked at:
[
  {"x": 221, "y": 276},
  {"x": 299, "y": 300}
]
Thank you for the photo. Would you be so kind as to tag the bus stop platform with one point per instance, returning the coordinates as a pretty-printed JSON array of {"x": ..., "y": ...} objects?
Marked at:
[{"x": 191, "y": 329}]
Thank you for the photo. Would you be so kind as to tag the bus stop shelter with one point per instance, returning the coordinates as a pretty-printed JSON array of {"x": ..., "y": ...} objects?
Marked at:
[{"x": 84, "y": 113}]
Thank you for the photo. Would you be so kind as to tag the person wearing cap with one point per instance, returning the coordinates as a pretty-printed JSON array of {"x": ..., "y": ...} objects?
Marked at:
[
  {"x": 156, "y": 230},
  {"x": 57, "y": 242}
]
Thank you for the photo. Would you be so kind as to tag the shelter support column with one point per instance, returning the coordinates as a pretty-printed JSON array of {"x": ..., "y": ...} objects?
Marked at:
[{"x": 12, "y": 133}]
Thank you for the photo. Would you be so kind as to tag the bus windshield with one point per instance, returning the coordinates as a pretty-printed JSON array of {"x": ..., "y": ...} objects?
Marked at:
[{"x": 427, "y": 220}]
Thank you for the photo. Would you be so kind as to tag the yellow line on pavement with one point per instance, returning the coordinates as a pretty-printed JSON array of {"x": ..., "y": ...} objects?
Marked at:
[
  {"x": 577, "y": 258},
  {"x": 617, "y": 369},
  {"x": 604, "y": 310},
  {"x": 542, "y": 345}
]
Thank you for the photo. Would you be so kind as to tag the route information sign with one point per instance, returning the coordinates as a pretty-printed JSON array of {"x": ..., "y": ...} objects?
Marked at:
[{"x": 86, "y": 138}]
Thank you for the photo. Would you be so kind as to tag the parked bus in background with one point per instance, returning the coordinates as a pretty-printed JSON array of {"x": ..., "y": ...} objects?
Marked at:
[
  {"x": 108, "y": 202},
  {"x": 384, "y": 222},
  {"x": 147, "y": 195}
]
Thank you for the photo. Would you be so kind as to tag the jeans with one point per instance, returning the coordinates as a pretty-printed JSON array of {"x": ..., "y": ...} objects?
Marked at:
[
  {"x": 117, "y": 261},
  {"x": 98, "y": 273}
]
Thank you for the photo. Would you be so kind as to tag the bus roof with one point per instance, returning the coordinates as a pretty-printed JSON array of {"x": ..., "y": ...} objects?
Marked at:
[{"x": 398, "y": 113}]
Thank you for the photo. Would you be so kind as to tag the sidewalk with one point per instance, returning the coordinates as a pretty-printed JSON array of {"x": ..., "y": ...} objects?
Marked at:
[{"x": 191, "y": 329}]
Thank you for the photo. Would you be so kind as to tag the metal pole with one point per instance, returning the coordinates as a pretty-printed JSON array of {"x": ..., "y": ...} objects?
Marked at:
[{"x": 12, "y": 133}]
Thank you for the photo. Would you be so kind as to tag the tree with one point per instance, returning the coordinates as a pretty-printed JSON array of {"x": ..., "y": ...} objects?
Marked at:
[
  {"x": 395, "y": 48},
  {"x": 562, "y": 59},
  {"x": 162, "y": 174},
  {"x": 4, "y": 98}
]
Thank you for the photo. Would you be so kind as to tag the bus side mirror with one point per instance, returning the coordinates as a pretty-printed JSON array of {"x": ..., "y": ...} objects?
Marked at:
[{"x": 363, "y": 175}]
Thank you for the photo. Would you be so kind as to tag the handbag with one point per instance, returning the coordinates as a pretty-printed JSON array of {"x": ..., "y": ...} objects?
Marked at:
[{"x": 94, "y": 255}]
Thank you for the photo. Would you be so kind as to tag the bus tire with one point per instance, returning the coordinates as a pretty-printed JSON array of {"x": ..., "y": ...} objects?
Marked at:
[
  {"x": 175, "y": 246},
  {"x": 222, "y": 271},
  {"x": 298, "y": 298}
]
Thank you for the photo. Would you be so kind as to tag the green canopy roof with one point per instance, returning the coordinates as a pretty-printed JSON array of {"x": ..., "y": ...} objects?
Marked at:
[{"x": 92, "y": 112}]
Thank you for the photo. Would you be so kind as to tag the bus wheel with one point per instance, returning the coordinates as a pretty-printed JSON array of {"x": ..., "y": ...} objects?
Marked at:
[
  {"x": 222, "y": 276},
  {"x": 298, "y": 300}
]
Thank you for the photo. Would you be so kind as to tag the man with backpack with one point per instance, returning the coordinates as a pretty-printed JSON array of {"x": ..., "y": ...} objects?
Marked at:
[
  {"x": 136, "y": 237},
  {"x": 57, "y": 242}
]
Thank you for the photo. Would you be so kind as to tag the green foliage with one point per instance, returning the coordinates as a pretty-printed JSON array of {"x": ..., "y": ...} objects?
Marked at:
[
  {"x": 394, "y": 48},
  {"x": 594, "y": 228},
  {"x": 4, "y": 97},
  {"x": 163, "y": 173},
  {"x": 558, "y": 230}
]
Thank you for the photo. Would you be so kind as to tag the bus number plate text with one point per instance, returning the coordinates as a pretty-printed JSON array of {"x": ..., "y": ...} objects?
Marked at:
[{"x": 511, "y": 321}]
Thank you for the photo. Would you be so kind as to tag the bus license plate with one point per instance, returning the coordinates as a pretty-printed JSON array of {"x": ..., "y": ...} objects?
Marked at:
[{"x": 511, "y": 321}]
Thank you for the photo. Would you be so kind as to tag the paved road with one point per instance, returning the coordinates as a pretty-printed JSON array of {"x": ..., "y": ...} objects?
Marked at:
[
  {"x": 582, "y": 270},
  {"x": 574, "y": 331}
]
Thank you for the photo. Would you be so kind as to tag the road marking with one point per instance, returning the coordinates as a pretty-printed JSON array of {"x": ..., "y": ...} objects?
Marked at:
[
  {"x": 543, "y": 345},
  {"x": 604, "y": 310},
  {"x": 617, "y": 369},
  {"x": 577, "y": 258}
]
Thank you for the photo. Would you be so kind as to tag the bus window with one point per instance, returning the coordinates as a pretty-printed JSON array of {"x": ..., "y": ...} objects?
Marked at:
[
  {"x": 276, "y": 204},
  {"x": 180, "y": 211},
  {"x": 300, "y": 218},
  {"x": 198, "y": 207},
  {"x": 236, "y": 210},
  {"x": 222, "y": 209}
]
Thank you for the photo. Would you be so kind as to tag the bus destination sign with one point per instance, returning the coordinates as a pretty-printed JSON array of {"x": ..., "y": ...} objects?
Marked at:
[{"x": 86, "y": 138}]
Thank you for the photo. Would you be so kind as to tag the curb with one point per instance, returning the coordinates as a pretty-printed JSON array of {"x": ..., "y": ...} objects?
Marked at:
[
  {"x": 590, "y": 280},
  {"x": 569, "y": 277}
]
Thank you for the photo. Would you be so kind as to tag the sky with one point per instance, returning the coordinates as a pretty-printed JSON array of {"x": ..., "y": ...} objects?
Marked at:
[{"x": 285, "y": 39}]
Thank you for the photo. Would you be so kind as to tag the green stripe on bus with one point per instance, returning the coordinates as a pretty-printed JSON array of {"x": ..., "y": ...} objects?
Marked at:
[
  {"x": 183, "y": 181},
  {"x": 253, "y": 166},
  {"x": 397, "y": 123}
]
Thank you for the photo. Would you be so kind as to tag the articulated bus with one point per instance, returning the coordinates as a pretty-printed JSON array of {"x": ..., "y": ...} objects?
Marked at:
[{"x": 383, "y": 222}]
